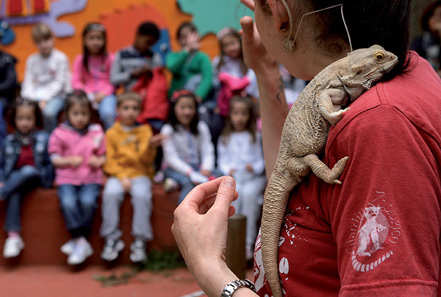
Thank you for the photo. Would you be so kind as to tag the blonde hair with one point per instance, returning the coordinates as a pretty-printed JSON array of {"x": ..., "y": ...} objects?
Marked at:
[
  {"x": 41, "y": 32},
  {"x": 128, "y": 96}
]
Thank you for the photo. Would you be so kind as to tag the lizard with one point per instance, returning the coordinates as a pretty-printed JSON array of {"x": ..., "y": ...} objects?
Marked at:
[{"x": 304, "y": 135}]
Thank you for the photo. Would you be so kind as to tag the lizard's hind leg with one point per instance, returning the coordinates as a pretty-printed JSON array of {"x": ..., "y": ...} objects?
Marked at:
[{"x": 322, "y": 171}]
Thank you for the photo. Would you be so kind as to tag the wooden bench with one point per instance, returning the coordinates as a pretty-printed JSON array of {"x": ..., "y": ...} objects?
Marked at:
[{"x": 44, "y": 231}]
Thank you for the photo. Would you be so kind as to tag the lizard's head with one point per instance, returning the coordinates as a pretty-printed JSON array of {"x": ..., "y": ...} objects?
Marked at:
[{"x": 367, "y": 66}]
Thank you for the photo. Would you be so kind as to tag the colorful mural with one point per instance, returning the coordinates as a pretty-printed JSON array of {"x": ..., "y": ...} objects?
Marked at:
[
  {"x": 121, "y": 18},
  {"x": 212, "y": 16},
  {"x": 21, "y": 12}
]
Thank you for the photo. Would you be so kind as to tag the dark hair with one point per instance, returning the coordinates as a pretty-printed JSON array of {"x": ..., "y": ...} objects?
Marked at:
[
  {"x": 103, "y": 51},
  {"x": 78, "y": 97},
  {"x": 382, "y": 22},
  {"x": 20, "y": 102},
  {"x": 173, "y": 120},
  {"x": 428, "y": 13},
  {"x": 251, "y": 124},
  {"x": 230, "y": 32},
  {"x": 183, "y": 26},
  {"x": 148, "y": 29}
]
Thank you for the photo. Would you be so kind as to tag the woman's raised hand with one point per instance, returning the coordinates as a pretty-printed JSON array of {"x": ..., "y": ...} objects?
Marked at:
[
  {"x": 255, "y": 55},
  {"x": 200, "y": 229}
]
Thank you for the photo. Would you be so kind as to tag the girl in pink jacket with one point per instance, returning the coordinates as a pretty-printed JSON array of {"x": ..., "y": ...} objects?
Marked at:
[
  {"x": 77, "y": 151},
  {"x": 91, "y": 73}
]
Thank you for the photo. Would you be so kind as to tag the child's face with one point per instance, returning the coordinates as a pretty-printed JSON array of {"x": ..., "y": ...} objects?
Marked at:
[
  {"x": 128, "y": 111},
  {"x": 94, "y": 41},
  {"x": 78, "y": 116},
  {"x": 239, "y": 116},
  {"x": 25, "y": 119},
  {"x": 45, "y": 46},
  {"x": 185, "y": 110},
  {"x": 231, "y": 46},
  {"x": 186, "y": 32},
  {"x": 144, "y": 42}
]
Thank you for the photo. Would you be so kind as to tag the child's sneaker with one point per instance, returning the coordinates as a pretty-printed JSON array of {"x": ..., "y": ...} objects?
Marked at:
[
  {"x": 13, "y": 247},
  {"x": 159, "y": 177},
  {"x": 138, "y": 253},
  {"x": 81, "y": 251},
  {"x": 111, "y": 249},
  {"x": 68, "y": 247},
  {"x": 170, "y": 185}
]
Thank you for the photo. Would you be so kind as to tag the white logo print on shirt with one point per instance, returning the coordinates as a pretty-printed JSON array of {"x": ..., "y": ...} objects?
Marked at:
[{"x": 373, "y": 228}]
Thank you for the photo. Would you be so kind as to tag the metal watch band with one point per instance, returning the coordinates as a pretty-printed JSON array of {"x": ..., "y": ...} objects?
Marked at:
[{"x": 231, "y": 287}]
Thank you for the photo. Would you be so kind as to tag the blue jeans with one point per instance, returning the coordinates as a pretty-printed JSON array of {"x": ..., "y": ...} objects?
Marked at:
[
  {"x": 20, "y": 182},
  {"x": 78, "y": 205},
  {"x": 50, "y": 113},
  {"x": 107, "y": 111}
]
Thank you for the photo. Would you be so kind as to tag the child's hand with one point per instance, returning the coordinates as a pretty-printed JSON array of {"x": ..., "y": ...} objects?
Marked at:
[
  {"x": 232, "y": 171},
  {"x": 205, "y": 172},
  {"x": 97, "y": 162},
  {"x": 76, "y": 161},
  {"x": 99, "y": 97},
  {"x": 42, "y": 104},
  {"x": 126, "y": 184},
  {"x": 249, "y": 168},
  {"x": 156, "y": 140}
]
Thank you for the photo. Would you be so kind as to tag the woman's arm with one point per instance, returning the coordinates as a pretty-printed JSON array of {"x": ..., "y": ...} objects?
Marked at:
[{"x": 273, "y": 106}]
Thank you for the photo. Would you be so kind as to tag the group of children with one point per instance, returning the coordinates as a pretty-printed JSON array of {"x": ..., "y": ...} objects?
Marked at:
[{"x": 205, "y": 123}]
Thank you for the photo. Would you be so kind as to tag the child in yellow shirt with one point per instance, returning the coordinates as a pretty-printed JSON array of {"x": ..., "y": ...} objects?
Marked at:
[{"x": 130, "y": 152}]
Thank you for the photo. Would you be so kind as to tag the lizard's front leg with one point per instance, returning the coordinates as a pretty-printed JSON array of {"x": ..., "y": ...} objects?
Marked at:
[{"x": 331, "y": 112}]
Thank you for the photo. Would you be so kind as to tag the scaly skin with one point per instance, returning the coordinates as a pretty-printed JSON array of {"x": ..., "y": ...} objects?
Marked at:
[{"x": 304, "y": 136}]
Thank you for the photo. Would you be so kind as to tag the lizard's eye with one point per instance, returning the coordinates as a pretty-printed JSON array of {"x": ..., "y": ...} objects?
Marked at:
[{"x": 379, "y": 56}]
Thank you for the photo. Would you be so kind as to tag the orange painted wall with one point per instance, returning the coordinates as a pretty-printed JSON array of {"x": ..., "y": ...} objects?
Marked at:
[{"x": 103, "y": 10}]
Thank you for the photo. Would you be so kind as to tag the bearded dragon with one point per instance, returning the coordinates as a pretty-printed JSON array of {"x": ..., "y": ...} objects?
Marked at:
[{"x": 304, "y": 136}]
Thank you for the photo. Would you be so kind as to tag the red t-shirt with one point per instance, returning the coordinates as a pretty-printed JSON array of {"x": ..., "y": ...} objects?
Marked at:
[
  {"x": 26, "y": 156},
  {"x": 377, "y": 234}
]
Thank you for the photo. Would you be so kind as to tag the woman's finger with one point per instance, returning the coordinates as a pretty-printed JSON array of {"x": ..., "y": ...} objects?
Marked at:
[
  {"x": 248, "y": 3},
  {"x": 199, "y": 194}
]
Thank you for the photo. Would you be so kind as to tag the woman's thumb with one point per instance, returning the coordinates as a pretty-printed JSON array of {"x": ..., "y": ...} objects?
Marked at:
[{"x": 225, "y": 193}]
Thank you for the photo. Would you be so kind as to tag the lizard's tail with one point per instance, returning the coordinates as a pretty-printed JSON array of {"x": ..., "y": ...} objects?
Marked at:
[{"x": 272, "y": 218}]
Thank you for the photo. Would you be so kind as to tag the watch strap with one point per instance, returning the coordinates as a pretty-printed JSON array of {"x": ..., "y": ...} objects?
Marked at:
[{"x": 232, "y": 286}]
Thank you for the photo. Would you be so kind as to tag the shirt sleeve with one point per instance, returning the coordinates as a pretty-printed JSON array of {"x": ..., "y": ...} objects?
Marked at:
[
  {"x": 55, "y": 146},
  {"x": 176, "y": 61},
  {"x": 117, "y": 75},
  {"x": 386, "y": 215},
  {"x": 171, "y": 155},
  {"x": 258, "y": 160},
  {"x": 206, "y": 147},
  {"x": 223, "y": 159},
  {"x": 27, "y": 86},
  {"x": 207, "y": 77},
  {"x": 77, "y": 66}
]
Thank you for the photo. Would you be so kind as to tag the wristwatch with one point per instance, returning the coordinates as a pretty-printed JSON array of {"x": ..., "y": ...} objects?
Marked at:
[{"x": 231, "y": 287}]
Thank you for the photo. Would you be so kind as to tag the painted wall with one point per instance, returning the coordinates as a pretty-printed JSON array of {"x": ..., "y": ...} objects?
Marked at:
[{"x": 121, "y": 17}]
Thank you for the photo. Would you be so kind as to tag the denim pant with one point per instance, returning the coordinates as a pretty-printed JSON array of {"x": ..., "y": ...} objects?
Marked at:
[
  {"x": 107, "y": 111},
  {"x": 50, "y": 113},
  {"x": 183, "y": 180},
  {"x": 19, "y": 183},
  {"x": 141, "y": 198},
  {"x": 78, "y": 205}
]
